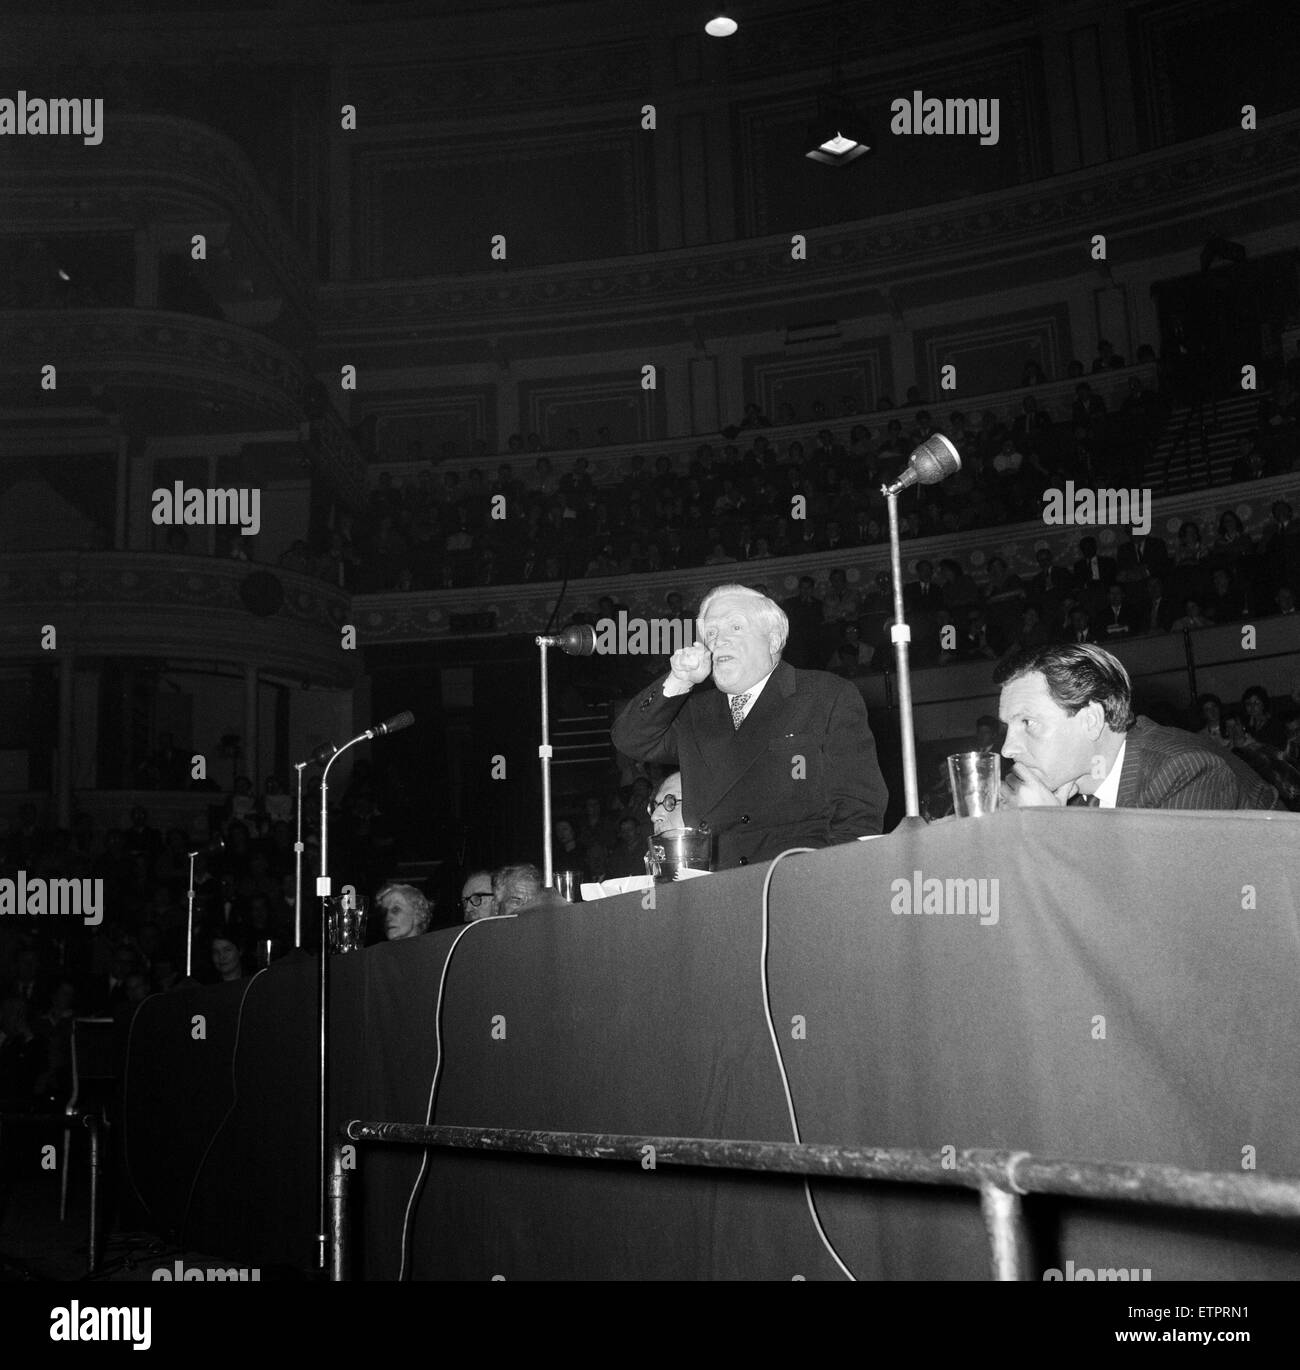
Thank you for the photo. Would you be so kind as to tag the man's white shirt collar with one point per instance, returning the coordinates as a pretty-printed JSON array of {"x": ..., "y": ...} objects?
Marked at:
[
  {"x": 753, "y": 692},
  {"x": 1108, "y": 791}
]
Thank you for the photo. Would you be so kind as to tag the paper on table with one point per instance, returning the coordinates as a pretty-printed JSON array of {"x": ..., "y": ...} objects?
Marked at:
[{"x": 623, "y": 884}]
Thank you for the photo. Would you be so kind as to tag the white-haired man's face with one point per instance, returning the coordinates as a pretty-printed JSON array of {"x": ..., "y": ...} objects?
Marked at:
[{"x": 743, "y": 653}]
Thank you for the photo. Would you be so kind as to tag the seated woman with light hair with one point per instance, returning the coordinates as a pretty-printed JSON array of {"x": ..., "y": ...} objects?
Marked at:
[{"x": 407, "y": 912}]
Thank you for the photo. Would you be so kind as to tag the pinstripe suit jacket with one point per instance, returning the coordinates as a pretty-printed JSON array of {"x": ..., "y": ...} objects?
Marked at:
[{"x": 1167, "y": 768}]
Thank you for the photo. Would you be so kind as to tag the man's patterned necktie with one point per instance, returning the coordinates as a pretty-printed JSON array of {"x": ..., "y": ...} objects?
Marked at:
[
  {"x": 738, "y": 703},
  {"x": 1079, "y": 800}
]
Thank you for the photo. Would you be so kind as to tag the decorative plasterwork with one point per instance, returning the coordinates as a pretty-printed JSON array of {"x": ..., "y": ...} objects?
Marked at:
[
  {"x": 415, "y": 92},
  {"x": 126, "y": 349},
  {"x": 152, "y": 170},
  {"x": 1009, "y": 227},
  {"x": 158, "y": 605}
]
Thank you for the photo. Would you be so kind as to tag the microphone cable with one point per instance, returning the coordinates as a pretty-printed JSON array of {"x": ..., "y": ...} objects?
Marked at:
[
  {"x": 776, "y": 1047},
  {"x": 433, "y": 1088},
  {"x": 229, "y": 1113}
]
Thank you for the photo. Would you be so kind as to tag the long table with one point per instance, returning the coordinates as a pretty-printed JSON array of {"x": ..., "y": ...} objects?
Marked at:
[{"x": 1129, "y": 993}]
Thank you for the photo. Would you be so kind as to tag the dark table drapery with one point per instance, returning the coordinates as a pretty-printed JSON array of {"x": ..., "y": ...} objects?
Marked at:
[{"x": 1135, "y": 1000}]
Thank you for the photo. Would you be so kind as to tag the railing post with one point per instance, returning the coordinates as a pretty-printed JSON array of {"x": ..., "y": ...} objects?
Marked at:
[
  {"x": 92, "y": 1240},
  {"x": 1004, "y": 1221},
  {"x": 339, "y": 1215}
]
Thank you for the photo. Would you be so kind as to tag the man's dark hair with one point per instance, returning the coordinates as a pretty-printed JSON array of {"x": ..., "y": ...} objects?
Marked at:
[{"x": 1077, "y": 674}]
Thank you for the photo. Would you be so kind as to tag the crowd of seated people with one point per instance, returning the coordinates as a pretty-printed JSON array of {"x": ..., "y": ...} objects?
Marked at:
[
  {"x": 1217, "y": 575},
  {"x": 734, "y": 500},
  {"x": 1221, "y": 575},
  {"x": 54, "y": 969},
  {"x": 742, "y": 500},
  {"x": 598, "y": 837},
  {"x": 244, "y": 882}
]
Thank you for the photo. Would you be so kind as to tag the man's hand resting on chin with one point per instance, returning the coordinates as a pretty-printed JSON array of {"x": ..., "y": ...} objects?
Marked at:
[{"x": 1020, "y": 790}]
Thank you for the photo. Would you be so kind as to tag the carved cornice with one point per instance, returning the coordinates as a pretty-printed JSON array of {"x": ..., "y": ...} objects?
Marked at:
[
  {"x": 779, "y": 43},
  {"x": 126, "y": 350},
  {"x": 424, "y": 616},
  {"x": 152, "y": 169},
  {"x": 1009, "y": 227},
  {"x": 154, "y": 605},
  {"x": 415, "y": 92}
]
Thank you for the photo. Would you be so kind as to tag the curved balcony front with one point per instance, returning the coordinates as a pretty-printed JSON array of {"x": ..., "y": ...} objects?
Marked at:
[
  {"x": 161, "y": 171},
  {"x": 162, "y": 607},
  {"x": 168, "y": 373},
  {"x": 423, "y": 616}
]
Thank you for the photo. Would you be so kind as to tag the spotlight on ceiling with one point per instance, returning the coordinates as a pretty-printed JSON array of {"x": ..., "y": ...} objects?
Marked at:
[
  {"x": 721, "y": 26},
  {"x": 838, "y": 135}
]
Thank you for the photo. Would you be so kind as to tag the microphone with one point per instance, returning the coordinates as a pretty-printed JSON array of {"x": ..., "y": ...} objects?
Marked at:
[
  {"x": 579, "y": 640},
  {"x": 392, "y": 725},
  {"x": 936, "y": 459}
]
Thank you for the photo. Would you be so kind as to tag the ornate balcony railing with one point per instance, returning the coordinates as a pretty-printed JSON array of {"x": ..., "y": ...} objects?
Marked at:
[
  {"x": 258, "y": 382},
  {"x": 155, "y": 605},
  {"x": 608, "y": 465},
  {"x": 155, "y": 169}
]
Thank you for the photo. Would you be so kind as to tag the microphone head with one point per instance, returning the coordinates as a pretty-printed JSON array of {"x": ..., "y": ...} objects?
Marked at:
[
  {"x": 580, "y": 640},
  {"x": 396, "y": 723},
  {"x": 935, "y": 460}
]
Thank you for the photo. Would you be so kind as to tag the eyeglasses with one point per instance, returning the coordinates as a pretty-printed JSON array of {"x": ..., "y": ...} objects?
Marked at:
[
  {"x": 474, "y": 900},
  {"x": 669, "y": 804}
]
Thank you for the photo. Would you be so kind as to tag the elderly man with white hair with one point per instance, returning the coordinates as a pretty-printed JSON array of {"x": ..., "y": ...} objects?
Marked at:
[{"x": 771, "y": 757}]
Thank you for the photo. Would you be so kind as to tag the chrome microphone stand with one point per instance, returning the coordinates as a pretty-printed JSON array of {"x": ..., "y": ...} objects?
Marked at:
[
  {"x": 402, "y": 720},
  {"x": 930, "y": 463},
  {"x": 544, "y": 753},
  {"x": 579, "y": 640},
  {"x": 299, "y": 766},
  {"x": 189, "y": 925},
  {"x": 901, "y": 636},
  {"x": 322, "y": 1016}
]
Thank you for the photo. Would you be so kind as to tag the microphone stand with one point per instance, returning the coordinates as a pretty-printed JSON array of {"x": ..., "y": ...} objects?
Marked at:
[
  {"x": 299, "y": 766},
  {"x": 901, "y": 635},
  {"x": 189, "y": 926},
  {"x": 544, "y": 753},
  {"x": 322, "y": 989},
  {"x": 322, "y": 1016}
]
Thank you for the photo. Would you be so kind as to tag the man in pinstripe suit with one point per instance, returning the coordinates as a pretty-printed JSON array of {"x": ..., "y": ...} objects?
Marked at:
[{"x": 1073, "y": 737}]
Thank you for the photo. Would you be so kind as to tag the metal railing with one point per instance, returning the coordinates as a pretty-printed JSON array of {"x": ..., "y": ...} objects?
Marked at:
[{"x": 1002, "y": 1178}]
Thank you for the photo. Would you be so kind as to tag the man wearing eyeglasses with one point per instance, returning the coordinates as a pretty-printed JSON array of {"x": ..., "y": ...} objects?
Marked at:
[
  {"x": 665, "y": 808},
  {"x": 476, "y": 897}
]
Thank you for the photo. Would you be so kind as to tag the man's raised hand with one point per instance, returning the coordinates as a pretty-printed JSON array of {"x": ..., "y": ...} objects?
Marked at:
[{"x": 691, "y": 665}]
